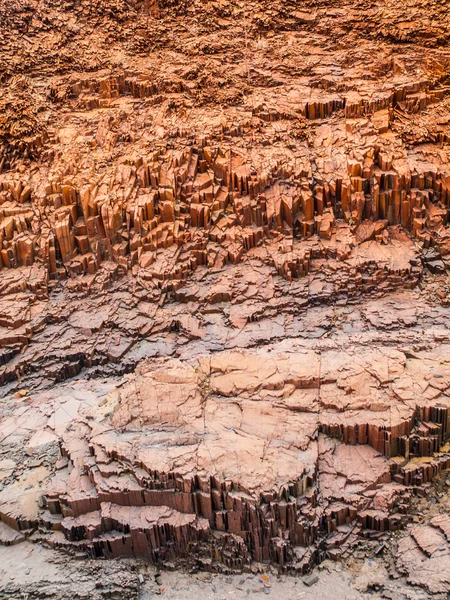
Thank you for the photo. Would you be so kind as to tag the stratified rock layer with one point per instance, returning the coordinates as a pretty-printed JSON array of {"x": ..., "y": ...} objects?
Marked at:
[
  {"x": 243, "y": 450},
  {"x": 193, "y": 151},
  {"x": 224, "y": 245}
]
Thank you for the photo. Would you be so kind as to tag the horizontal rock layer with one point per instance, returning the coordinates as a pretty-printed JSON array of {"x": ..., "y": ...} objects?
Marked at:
[
  {"x": 223, "y": 279},
  {"x": 246, "y": 444}
]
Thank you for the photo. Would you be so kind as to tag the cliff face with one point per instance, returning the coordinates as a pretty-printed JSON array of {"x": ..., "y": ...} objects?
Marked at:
[
  {"x": 269, "y": 455},
  {"x": 211, "y": 131},
  {"x": 224, "y": 247}
]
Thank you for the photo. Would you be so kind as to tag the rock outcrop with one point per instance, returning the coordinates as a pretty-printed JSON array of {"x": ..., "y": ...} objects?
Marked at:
[{"x": 224, "y": 298}]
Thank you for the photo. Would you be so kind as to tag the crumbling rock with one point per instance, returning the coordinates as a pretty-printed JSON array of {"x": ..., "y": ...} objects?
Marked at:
[
  {"x": 224, "y": 244},
  {"x": 424, "y": 555},
  {"x": 232, "y": 443}
]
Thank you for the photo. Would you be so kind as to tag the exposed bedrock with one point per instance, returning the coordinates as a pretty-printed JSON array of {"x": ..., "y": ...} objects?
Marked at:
[
  {"x": 224, "y": 292},
  {"x": 238, "y": 456}
]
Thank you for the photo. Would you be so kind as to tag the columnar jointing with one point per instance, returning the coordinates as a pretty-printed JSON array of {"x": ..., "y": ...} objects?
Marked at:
[
  {"x": 242, "y": 450},
  {"x": 224, "y": 297}
]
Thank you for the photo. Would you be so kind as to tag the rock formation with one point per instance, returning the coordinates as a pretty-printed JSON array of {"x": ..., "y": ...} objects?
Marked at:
[
  {"x": 224, "y": 247},
  {"x": 250, "y": 444}
]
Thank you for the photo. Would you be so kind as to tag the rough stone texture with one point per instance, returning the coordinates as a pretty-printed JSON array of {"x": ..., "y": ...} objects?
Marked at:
[
  {"x": 224, "y": 309},
  {"x": 222, "y": 133},
  {"x": 235, "y": 442},
  {"x": 287, "y": 453},
  {"x": 423, "y": 552}
]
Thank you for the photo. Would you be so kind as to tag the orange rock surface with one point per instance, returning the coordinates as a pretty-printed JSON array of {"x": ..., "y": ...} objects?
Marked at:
[{"x": 224, "y": 254}]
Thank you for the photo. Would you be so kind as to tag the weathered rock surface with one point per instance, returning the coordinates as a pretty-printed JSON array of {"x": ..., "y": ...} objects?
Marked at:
[
  {"x": 160, "y": 166},
  {"x": 224, "y": 300},
  {"x": 234, "y": 442},
  {"x": 287, "y": 454}
]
